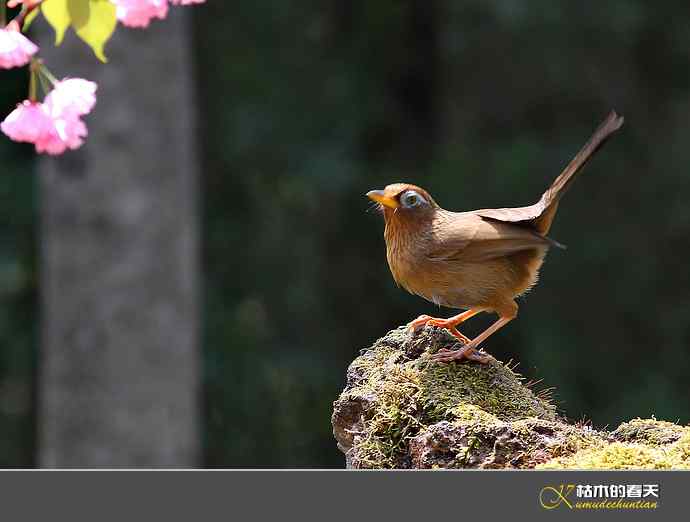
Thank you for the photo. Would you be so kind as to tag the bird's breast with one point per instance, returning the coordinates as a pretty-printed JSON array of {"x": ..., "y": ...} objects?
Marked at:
[{"x": 413, "y": 270}]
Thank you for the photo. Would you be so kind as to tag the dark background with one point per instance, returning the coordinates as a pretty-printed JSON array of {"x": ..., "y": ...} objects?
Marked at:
[{"x": 305, "y": 106}]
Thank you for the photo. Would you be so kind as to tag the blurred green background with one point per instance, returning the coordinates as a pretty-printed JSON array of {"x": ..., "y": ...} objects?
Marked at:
[{"x": 305, "y": 106}]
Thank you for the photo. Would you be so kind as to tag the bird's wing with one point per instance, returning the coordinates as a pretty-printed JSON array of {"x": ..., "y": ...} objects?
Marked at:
[
  {"x": 522, "y": 218},
  {"x": 469, "y": 237},
  {"x": 512, "y": 215}
]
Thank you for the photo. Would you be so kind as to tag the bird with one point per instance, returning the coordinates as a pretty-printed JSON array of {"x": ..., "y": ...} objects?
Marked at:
[{"x": 476, "y": 261}]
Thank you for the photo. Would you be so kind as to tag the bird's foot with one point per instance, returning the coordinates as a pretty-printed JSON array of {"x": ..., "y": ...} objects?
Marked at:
[
  {"x": 424, "y": 320},
  {"x": 465, "y": 352},
  {"x": 418, "y": 323}
]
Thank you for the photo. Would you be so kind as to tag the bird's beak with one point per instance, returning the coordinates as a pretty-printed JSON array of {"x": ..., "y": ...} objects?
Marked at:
[{"x": 380, "y": 197}]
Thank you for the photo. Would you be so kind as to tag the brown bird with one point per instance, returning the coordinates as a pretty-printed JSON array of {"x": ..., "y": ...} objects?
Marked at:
[{"x": 478, "y": 261}]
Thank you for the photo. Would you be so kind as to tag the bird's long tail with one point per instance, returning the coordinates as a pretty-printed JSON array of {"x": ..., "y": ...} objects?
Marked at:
[{"x": 550, "y": 198}]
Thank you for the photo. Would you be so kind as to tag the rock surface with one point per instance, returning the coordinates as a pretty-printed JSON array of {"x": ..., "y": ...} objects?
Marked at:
[{"x": 399, "y": 410}]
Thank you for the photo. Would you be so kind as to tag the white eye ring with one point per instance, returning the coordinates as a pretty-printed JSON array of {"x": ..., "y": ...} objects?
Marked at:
[{"x": 411, "y": 199}]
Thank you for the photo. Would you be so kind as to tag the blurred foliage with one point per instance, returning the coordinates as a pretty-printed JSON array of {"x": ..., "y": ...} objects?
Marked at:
[
  {"x": 307, "y": 105},
  {"x": 18, "y": 284}
]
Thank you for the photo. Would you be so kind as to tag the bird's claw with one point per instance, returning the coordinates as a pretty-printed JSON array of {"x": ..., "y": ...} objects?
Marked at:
[
  {"x": 424, "y": 320},
  {"x": 466, "y": 352},
  {"x": 418, "y": 323}
]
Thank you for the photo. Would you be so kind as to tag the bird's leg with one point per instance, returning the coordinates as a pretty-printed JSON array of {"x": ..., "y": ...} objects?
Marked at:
[
  {"x": 458, "y": 335},
  {"x": 449, "y": 324},
  {"x": 469, "y": 351}
]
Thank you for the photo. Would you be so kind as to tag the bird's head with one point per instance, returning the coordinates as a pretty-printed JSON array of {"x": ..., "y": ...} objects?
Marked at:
[{"x": 403, "y": 202}]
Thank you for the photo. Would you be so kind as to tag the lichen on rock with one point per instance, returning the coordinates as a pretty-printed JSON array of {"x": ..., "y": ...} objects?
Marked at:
[{"x": 400, "y": 410}]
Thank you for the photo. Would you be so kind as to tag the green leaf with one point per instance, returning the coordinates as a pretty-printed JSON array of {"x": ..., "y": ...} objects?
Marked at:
[
  {"x": 58, "y": 16},
  {"x": 96, "y": 24},
  {"x": 79, "y": 12},
  {"x": 30, "y": 18}
]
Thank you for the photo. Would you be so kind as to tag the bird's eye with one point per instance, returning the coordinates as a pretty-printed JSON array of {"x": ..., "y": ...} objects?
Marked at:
[{"x": 411, "y": 199}]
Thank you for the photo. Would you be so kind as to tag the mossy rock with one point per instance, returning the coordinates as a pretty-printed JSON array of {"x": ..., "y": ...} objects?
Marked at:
[{"x": 400, "y": 410}]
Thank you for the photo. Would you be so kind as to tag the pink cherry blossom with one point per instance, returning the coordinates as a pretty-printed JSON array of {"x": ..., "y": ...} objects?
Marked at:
[
  {"x": 69, "y": 99},
  {"x": 54, "y": 125},
  {"x": 138, "y": 13},
  {"x": 29, "y": 122},
  {"x": 66, "y": 132},
  {"x": 48, "y": 129},
  {"x": 27, "y": 3},
  {"x": 15, "y": 49},
  {"x": 72, "y": 95}
]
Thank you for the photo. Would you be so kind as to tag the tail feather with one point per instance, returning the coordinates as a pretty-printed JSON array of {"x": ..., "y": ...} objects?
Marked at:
[
  {"x": 540, "y": 215},
  {"x": 550, "y": 198}
]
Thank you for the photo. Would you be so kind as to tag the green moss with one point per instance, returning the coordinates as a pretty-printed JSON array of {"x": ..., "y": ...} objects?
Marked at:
[
  {"x": 394, "y": 417},
  {"x": 649, "y": 431},
  {"x": 637, "y": 444},
  {"x": 629, "y": 455},
  {"x": 493, "y": 388},
  {"x": 560, "y": 438},
  {"x": 471, "y": 414}
]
